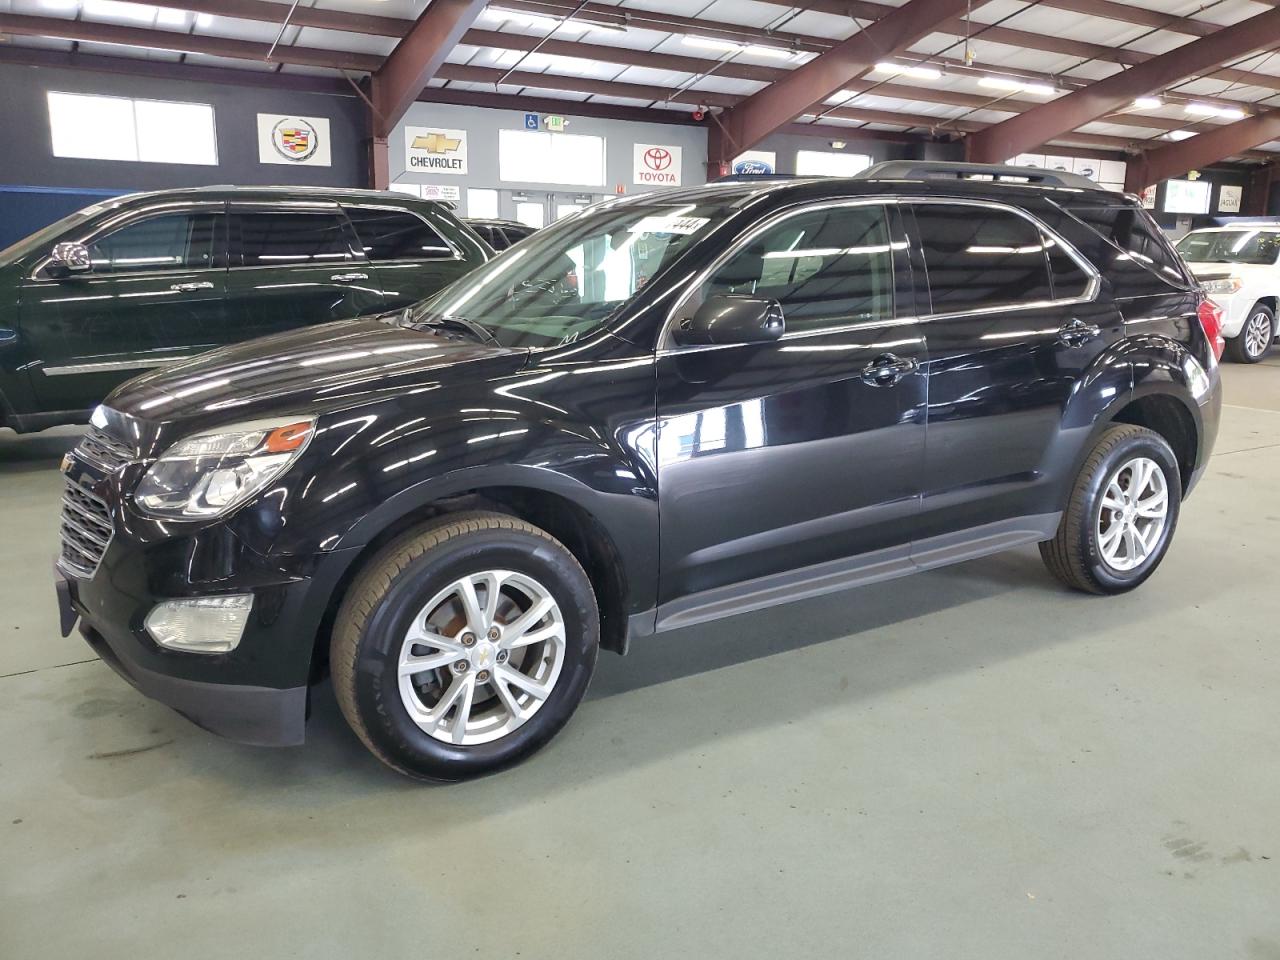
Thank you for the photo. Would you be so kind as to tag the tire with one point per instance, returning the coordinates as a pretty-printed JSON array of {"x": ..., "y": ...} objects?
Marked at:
[
  {"x": 398, "y": 589},
  {"x": 1253, "y": 343},
  {"x": 1085, "y": 553}
]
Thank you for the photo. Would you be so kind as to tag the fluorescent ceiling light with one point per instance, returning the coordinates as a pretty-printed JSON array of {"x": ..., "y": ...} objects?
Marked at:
[
  {"x": 1148, "y": 103},
  {"x": 1179, "y": 135},
  {"x": 1209, "y": 110},
  {"x": 759, "y": 50},
  {"x": 1009, "y": 83},
  {"x": 909, "y": 70},
  {"x": 539, "y": 21}
]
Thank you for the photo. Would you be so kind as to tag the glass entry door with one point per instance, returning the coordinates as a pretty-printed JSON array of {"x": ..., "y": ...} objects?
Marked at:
[{"x": 537, "y": 209}]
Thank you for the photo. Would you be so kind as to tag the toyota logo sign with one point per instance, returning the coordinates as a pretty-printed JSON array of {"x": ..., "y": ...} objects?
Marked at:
[
  {"x": 657, "y": 165},
  {"x": 657, "y": 158}
]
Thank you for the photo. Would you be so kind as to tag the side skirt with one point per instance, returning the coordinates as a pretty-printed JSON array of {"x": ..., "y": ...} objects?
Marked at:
[{"x": 877, "y": 567}]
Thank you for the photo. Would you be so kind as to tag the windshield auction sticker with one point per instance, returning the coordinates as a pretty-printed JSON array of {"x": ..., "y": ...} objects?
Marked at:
[{"x": 678, "y": 225}]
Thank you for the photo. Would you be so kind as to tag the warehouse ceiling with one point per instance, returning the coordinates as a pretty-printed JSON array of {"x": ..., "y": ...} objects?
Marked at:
[{"x": 992, "y": 62}]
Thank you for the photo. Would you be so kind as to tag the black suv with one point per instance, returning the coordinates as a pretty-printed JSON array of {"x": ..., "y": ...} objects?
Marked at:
[
  {"x": 664, "y": 410},
  {"x": 500, "y": 234},
  {"x": 151, "y": 279}
]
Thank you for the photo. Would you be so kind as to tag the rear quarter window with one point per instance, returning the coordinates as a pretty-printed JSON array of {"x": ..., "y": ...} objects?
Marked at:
[{"x": 1128, "y": 248}]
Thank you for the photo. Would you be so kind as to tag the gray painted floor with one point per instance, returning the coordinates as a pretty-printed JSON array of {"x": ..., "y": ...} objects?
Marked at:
[{"x": 968, "y": 763}]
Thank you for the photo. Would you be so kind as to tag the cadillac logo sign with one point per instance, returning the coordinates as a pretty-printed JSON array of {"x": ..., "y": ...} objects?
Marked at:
[{"x": 295, "y": 139}]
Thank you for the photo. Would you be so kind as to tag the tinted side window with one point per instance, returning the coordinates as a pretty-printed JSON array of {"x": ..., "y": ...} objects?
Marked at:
[
  {"x": 494, "y": 237},
  {"x": 283, "y": 239},
  {"x": 1131, "y": 250},
  {"x": 1069, "y": 279},
  {"x": 397, "y": 235},
  {"x": 515, "y": 234},
  {"x": 175, "y": 242},
  {"x": 981, "y": 257},
  {"x": 827, "y": 268}
]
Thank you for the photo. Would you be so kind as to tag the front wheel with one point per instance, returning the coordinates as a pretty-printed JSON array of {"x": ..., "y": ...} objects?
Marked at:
[
  {"x": 1255, "y": 337},
  {"x": 464, "y": 646},
  {"x": 1121, "y": 514}
]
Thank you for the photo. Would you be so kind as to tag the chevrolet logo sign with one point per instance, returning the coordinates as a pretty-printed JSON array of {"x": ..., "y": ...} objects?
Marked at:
[{"x": 436, "y": 143}]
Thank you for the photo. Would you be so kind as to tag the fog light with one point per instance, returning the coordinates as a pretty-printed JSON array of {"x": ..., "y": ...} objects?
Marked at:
[{"x": 200, "y": 624}]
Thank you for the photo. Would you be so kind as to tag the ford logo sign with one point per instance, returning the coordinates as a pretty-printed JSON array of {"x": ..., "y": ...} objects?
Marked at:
[{"x": 752, "y": 168}]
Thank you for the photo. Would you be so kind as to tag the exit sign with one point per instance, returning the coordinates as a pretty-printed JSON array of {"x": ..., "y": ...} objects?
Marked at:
[{"x": 554, "y": 124}]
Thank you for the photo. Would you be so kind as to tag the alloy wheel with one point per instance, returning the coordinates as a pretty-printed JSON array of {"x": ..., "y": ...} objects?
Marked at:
[
  {"x": 1133, "y": 514},
  {"x": 1257, "y": 334},
  {"x": 481, "y": 657}
]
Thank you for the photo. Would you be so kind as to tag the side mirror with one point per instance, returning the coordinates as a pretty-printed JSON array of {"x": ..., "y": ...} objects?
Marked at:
[
  {"x": 730, "y": 319},
  {"x": 69, "y": 258}
]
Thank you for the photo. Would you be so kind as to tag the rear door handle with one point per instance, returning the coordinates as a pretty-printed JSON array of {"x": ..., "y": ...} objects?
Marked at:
[
  {"x": 348, "y": 277},
  {"x": 191, "y": 287},
  {"x": 887, "y": 369},
  {"x": 1077, "y": 332}
]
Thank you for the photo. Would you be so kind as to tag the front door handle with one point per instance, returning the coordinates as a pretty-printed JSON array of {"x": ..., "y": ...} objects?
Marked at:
[
  {"x": 1077, "y": 333},
  {"x": 191, "y": 287},
  {"x": 348, "y": 277},
  {"x": 887, "y": 369}
]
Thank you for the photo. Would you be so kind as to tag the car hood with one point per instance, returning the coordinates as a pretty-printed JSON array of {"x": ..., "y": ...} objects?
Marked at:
[
  {"x": 1215, "y": 271},
  {"x": 323, "y": 367}
]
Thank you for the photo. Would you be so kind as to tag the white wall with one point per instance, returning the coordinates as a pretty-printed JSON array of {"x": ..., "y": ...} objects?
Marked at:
[{"x": 482, "y": 126}]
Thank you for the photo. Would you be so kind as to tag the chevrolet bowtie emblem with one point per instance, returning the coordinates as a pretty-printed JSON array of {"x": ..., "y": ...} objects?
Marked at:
[
  {"x": 436, "y": 143},
  {"x": 65, "y": 466}
]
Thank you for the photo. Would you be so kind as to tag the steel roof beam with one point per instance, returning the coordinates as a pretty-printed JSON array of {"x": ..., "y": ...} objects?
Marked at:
[
  {"x": 416, "y": 58},
  {"x": 1230, "y": 140},
  {"x": 746, "y": 124},
  {"x": 1030, "y": 129}
]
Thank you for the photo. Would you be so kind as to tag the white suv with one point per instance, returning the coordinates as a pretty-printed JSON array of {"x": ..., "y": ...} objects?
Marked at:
[{"x": 1239, "y": 267}]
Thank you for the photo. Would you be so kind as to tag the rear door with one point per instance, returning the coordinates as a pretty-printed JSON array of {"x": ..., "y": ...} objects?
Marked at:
[
  {"x": 293, "y": 265},
  {"x": 154, "y": 296},
  {"x": 1014, "y": 321},
  {"x": 411, "y": 257}
]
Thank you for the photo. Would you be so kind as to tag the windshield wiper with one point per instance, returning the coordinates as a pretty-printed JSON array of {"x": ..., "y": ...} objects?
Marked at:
[{"x": 477, "y": 330}]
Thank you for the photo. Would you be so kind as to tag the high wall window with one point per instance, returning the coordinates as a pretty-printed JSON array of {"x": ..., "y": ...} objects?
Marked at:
[
  {"x": 824, "y": 163},
  {"x": 114, "y": 128},
  {"x": 532, "y": 156}
]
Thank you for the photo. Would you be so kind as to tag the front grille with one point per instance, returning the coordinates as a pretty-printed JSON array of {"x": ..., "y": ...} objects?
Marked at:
[
  {"x": 104, "y": 451},
  {"x": 86, "y": 530}
]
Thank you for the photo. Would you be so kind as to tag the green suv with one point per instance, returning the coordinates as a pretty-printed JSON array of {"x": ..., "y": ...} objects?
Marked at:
[{"x": 148, "y": 280}]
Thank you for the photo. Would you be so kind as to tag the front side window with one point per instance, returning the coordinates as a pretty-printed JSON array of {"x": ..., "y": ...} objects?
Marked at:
[
  {"x": 980, "y": 257},
  {"x": 291, "y": 239},
  {"x": 397, "y": 235},
  {"x": 827, "y": 268},
  {"x": 1230, "y": 246},
  {"x": 181, "y": 241},
  {"x": 570, "y": 278}
]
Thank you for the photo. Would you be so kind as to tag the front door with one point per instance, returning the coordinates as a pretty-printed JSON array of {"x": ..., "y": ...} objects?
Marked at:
[
  {"x": 1014, "y": 326},
  {"x": 410, "y": 257},
  {"x": 294, "y": 265},
  {"x": 154, "y": 295},
  {"x": 783, "y": 455}
]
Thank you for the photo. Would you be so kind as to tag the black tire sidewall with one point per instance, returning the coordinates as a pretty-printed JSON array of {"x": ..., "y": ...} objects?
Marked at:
[
  {"x": 1147, "y": 444},
  {"x": 377, "y": 692}
]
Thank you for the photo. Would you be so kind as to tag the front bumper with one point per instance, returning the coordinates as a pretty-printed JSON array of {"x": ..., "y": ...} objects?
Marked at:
[
  {"x": 262, "y": 716},
  {"x": 256, "y": 693}
]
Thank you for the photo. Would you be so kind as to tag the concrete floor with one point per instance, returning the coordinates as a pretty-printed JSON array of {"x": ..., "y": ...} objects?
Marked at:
[{"x": 968, "y": 763}]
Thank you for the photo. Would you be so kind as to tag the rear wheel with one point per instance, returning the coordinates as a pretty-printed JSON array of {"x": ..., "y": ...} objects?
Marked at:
[
  {"x": 464, "y": 646},
  {"x": 1121, "y": 514},
  {"x": 1255, "y": 337}
]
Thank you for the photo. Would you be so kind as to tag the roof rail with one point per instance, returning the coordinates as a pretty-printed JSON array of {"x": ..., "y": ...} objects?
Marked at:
[{"x": 942, "y": 170}]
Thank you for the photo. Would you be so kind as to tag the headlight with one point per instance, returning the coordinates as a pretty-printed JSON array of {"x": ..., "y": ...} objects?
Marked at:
[
  {"x": 211, "y": 473},
  {"x": 1226, "y": 285}
]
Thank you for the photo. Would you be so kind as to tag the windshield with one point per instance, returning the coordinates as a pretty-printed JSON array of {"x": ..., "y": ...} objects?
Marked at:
[
  {"x": 41, "y": 237},
  {"x": 1230, "y": 246},
  {"x": 566, "y": 280}
]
